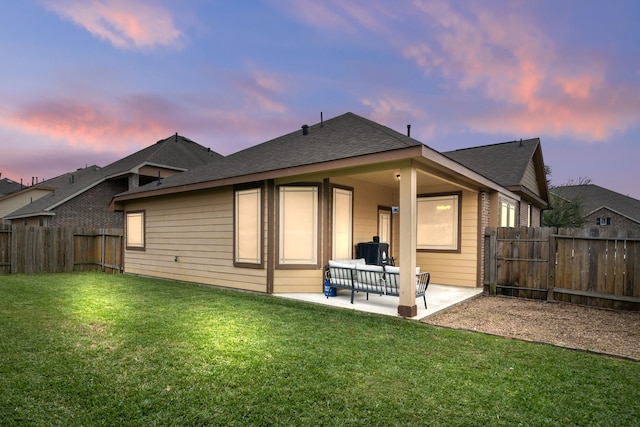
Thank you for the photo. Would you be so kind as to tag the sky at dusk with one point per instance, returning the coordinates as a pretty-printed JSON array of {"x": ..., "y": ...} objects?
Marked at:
[{"x": 88, "y": 82}]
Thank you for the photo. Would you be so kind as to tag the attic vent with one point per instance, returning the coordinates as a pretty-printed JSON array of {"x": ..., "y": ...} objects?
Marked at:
[{"x": 305, "y": 129}]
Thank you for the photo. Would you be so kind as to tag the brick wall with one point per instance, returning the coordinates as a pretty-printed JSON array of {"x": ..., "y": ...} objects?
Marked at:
[
  {"x": 618, "y": 222},
  {"x": 484, "y": 209},
  {"x": 536, "y": 216},
  {"x": 523, "y": 214},
  {"x": 89, "y": 209}
]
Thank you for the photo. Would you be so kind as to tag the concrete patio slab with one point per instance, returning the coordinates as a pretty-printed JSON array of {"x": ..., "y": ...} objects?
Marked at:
[{"x": 439, "y": 297}]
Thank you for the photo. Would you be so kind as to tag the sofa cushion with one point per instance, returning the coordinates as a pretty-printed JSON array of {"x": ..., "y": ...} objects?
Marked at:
[
  {"x": 340, "y": 273},
  {"x": 394, "y": 269},
  {"x": 350, "y": 262},
  {"x": 340, "y": 263},
  {"x": 370, "y": 276}
]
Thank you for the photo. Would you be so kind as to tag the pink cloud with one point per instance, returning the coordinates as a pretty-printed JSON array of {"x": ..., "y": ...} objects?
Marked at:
[
  {"x": 261, "y": 88},
  {"x": 123, "y": 23},
  {"x": 102, "y": 127},
  {"x": 507, "y": 58},
  {"x": 392, "y": 110},
  {"x": 580, "y": 86},
  {"x": 339, "y": 15}
]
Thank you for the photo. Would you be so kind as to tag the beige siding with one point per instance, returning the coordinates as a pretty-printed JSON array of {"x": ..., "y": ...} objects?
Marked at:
[
  {"x": 366, "y": 199},
  {"x": 298, "y": 281},
  {"x": 530, "y": 180},
  {"x": 15, "y": 202},
  {"x": 196, "y": 228},
  {"x": 460, "y": 269}
]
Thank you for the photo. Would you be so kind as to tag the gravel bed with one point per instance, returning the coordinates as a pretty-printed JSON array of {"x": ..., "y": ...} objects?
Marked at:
[{"x": 611, "y": 332}]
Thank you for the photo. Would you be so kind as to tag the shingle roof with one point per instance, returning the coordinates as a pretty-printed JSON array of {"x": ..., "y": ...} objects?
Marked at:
[
  {"x": 341, "y": 137},
  {"x": 175, "y": 152},
  {"x": 594, "y": 197},
  {"x": 503, "y": 163},
  {"x": 8, "y": 186}
]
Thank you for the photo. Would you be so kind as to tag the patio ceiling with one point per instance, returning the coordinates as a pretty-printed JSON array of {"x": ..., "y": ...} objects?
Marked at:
[{"x": 388, "y": 178}]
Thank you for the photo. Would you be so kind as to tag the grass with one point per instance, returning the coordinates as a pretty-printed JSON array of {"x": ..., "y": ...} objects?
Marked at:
[{"x": 95, "y": 349}]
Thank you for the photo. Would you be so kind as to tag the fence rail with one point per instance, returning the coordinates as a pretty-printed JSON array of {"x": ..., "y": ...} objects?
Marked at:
[
  {"x": 583, "y": 266},
  {"x": 54, "y": 250}
]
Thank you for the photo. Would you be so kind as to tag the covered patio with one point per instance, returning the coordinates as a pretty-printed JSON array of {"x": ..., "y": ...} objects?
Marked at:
[{"x": 439, "y": 297}]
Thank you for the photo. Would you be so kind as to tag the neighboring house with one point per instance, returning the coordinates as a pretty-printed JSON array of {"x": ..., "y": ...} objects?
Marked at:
[
  {"x": 26, "y": 195},
  {"x": 519, "y": 167},
  {"x": 601, "y": 207},
  {"x": 7, "y": 186},
  {"x": 269, "y": 218},
  {"x": 81, "y": 198}
]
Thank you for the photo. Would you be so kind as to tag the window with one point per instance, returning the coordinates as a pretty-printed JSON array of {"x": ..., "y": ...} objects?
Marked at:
[
  {"x": 135, "y": 230},
  {"x": 603, "y": 221},
  {"x": 342, "y": 223},
  {"x": 298, "y": 225},
  {"x": 507, "y": 214},
  {"x": 247, "y": 227},
  {"x": 438, "y": 222}
]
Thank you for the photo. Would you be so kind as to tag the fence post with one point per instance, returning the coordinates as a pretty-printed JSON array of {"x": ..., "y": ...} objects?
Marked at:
[
  {"x": 103, "y": 249},
  {"x": 551, "y": 265}
]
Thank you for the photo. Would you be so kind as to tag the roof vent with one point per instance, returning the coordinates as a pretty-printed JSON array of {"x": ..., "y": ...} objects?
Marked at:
[
  {"x": 305, "y": 129},
  {"x": 409, "y": 130}
]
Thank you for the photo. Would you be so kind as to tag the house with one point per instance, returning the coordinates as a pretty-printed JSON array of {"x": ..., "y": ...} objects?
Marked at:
[
  {"x": 26, "y": 195},
  {"x": 602, "y": 207},
  {"x": 519, "y": 167},
  {"x": 269, "y": 218},
  {"x": 81, "y": 198},
  {"x": 8, "y": 186}
]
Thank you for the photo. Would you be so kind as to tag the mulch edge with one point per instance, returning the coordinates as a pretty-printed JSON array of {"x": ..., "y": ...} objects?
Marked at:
[{"x": 584, "y": 350}]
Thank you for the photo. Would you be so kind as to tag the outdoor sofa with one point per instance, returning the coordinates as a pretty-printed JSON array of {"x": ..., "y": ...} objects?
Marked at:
[{"x": 357, "y": 276}]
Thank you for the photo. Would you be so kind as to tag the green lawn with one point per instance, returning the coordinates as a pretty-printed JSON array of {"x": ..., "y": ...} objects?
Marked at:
[{"x": 96, "y": 349}]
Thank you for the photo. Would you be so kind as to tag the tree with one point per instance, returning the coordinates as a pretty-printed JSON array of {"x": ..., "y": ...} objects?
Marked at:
[{"x": 563, "y": 213}]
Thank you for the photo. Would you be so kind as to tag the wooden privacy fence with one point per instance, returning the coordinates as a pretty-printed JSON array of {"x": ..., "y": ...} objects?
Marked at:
[
  {"x": 594, "y": 267},
  {"x": 55, "y": 250}
]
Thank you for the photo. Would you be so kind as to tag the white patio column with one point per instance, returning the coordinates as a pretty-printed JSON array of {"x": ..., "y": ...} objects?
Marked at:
[{"x": 408, "y": 241}]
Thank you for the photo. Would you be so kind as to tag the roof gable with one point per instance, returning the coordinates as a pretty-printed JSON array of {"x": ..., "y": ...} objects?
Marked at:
[
  {"x": 342, "y": 137},
  {"x": 516, "y": 165},
  {"x": 8, "y": 186},
  {"x": 504, "y": 163},
  {"x": 594, "y": 197},
  {"x": 175, "y": 152},
  {"x": 345, "y": 136}
]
